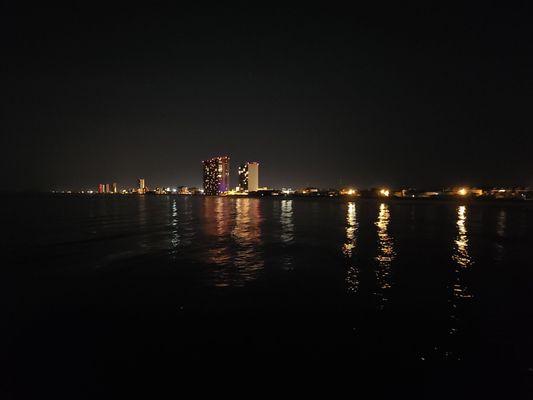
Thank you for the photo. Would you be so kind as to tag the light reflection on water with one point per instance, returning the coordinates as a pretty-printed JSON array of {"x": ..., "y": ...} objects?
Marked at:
[
  {"x": 434, "y": 262},
  {"x": 247, "y": 234},
  {"x": 461, "y": 255},
  {"x": 230, "y": 235},
  {"x": 348, "y": 248},
  {"x": 181, "y": 226},
  {"x": 174, "y": 223},
  {"x": 502, "y": 222},
  {"x": 501, "y": 226},
  {"x": 287, "y": 223},
  {"x": 287, "y": 231},
  {"x": 385, "y": 255},
  {"x": 460, "y": 294},
  {"x": 233, "y": 240},
  {"x": 217, "y": 228}
]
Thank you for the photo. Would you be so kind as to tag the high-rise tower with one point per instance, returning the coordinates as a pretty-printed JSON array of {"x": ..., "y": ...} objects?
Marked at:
[
  {"x": 249, "y": 176},
  {"x": 141, "y": 188},
  {"x": 216, "y": 175}
]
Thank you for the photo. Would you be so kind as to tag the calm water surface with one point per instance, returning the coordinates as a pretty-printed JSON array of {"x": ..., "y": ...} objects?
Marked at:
[{"x": 440, "y": 289}]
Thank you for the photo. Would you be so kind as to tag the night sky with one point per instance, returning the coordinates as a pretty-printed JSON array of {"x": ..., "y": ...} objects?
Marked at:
[{"x": 420, "y": 95}]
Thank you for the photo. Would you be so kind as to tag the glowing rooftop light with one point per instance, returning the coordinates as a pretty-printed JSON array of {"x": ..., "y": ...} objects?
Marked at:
[
  {"x": 462, "y": 192},
  {"x": 384, "y": 192}
]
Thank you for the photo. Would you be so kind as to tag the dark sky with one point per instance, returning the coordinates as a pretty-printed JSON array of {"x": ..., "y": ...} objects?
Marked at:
[{"x": 419, "y": 95}]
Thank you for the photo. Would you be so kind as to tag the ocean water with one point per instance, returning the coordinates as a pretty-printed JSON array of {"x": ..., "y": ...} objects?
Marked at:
[{"x": 100, "y": 290}]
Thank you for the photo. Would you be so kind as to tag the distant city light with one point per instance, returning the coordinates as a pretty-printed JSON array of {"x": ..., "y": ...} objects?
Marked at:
[
  {"x": 349, "y": 191},
  {"x": 216, "y": 174}
]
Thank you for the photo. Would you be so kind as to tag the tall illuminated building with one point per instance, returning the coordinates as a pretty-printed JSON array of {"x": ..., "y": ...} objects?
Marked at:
[
  {"x": 114, "y": 188},
  {"x": 216, "y": 175},
  {"x": 249, "y": 176},
  {"x": 141, "y": 186},
  {"x": 101, "y": 188}
]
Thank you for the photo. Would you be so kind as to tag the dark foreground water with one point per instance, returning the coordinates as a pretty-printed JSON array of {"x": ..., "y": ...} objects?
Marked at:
[{"x": 108, "y": 294}]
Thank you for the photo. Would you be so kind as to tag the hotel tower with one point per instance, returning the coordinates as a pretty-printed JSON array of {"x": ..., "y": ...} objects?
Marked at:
[
  {"x": 216, "y": 175},
  {"x": 249, "y": 177}
]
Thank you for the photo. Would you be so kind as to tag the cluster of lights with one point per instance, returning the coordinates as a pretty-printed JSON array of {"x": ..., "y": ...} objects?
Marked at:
[
  {"x": 216, "y": 175},
  {"x": 348, "y": 191}
]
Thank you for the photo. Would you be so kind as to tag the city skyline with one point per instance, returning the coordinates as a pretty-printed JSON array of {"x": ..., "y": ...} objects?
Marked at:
[
  {"x": 430, "y": 95},
  {"x": 217, "y": 173}
]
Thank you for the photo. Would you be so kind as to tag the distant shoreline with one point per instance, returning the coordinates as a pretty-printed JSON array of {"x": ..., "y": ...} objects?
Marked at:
[{"x": 434, "y": 199}]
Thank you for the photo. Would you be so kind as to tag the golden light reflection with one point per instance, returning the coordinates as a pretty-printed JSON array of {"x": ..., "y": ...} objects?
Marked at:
[
  {"x": 351, "y": 227},
  {"x": 459, "y": 295},
  {"x": 247, "y": 234},
  {"x": 462, "y": 261},
  {"x": 352, "y": 275},
  {"x": 461, "y": 256},
  {"x": 233, "y": 230},
  {"x": 217, "y": 226},
  {"x": 385, "y": 253}
]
